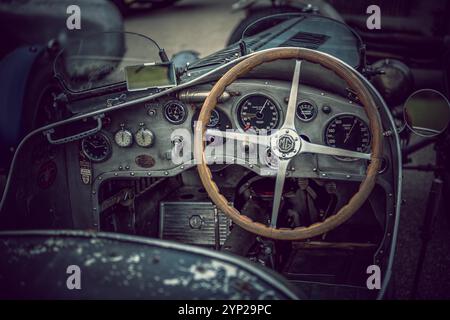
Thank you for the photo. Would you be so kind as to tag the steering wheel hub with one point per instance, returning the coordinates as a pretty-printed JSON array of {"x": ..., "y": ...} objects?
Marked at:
[{"x": 285, "y": 143}]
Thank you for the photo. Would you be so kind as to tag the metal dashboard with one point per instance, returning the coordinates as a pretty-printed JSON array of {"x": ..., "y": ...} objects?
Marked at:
[{"x": 156, "y": 160}]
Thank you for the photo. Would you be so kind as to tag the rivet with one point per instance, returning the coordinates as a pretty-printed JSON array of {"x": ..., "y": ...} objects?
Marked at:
[
  {"x": 149, "y": 173},
  {"x": 166, "y": 173},
  {"x": 131, "y": 173}
]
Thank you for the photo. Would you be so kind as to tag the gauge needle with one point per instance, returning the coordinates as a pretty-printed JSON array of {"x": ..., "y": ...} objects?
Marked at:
[
  {"x": 264, "y": 105},
  {"x": 350, "y": 132}
]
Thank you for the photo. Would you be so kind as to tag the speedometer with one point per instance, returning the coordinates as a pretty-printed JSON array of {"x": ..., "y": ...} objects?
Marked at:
[
  {"x": 348, "y": 132},
  {"x": 258, "y": 112}
]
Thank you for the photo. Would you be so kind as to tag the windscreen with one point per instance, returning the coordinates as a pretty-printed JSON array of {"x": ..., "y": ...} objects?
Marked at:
[{"x": 99, "y": 60}]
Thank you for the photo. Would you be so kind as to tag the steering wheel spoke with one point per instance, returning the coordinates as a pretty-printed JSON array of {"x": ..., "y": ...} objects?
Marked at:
[
  {"x": 308, "y": 147},
  {"x": 279, "y": 185},
  {"x": 289, "y": 122}
]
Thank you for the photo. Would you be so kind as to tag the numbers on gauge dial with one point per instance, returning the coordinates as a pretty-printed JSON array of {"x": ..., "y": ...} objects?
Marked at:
[
  {"x": 306, "y": 111},
  {"x": 348, "y": 132},
  {"x": 123, "y": 138},
  {"x": 258, "y": 112},
  {"x": 175, "y": 112},
  {"x": 144, "y": 137}
]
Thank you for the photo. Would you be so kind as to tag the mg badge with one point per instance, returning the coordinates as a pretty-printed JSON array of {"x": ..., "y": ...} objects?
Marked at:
[{"x": 286, "y": 144}]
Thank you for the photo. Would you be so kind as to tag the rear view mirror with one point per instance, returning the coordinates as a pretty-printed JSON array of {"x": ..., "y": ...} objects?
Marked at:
[{"x": 427, "y": 113}]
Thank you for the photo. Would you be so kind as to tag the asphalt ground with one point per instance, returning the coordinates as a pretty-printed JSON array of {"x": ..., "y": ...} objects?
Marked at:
[{"x": 204, "y": 26}]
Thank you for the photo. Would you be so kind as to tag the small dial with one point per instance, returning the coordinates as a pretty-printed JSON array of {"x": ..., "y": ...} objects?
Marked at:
[
  {"x": 175, "y": 112},
  {"x": 144, "y": 137},
  {"x": 96, "y": 148},
  {"x": 123, "y": 138},
  {"x": 306, "y": 111},
  {"x": 258, "y": 112},
  {"x": 214, "y": 119},
  {"x": 348, "y": 132}
]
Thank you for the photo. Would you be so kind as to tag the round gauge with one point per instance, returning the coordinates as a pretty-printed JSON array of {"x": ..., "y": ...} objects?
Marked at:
[
  {"x": 258, "y": 112},
  {"x": 175, "y": 112},
  {"x": 144, "y": 137},
  {"x": 306, "y": 111},
  {"x": 214, "y": 119},
  {"x": 123, "y": 138},
  {"x": 217, "y": 120},
  {"x": 96, "y": 148},
  {"x": 348, "y": 132}
]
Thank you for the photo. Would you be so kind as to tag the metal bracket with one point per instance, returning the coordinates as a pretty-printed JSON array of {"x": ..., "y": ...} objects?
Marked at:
[{"x": 78, "y": 136}]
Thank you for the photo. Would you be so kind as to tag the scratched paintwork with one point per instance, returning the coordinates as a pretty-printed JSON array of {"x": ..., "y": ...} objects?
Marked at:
[{"x": 35, "y": 266}]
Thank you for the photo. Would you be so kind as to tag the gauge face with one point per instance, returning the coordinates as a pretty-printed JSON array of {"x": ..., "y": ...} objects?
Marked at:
[
  {"x": 96, "y": 147},
  {"x": 258, "y": 112},
  {"x": 306, "y": 111},
  {"x": 218, "y": 120},
  {"x": 123, "y": 138},
  {"x": 144, "y": 137},
  {"x": 214, "y": 119},
  {"x": 348, "y": 132},
  {"x": 175, "y": 112}
]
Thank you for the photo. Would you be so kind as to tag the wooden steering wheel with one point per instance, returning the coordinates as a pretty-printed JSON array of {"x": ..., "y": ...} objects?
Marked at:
[{"x": 287, "y": 143}]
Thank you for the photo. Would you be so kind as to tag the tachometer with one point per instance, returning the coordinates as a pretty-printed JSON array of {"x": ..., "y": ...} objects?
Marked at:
[
  {"x": 258, "y": 112},
  {"x": 348, "y": 132}
]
